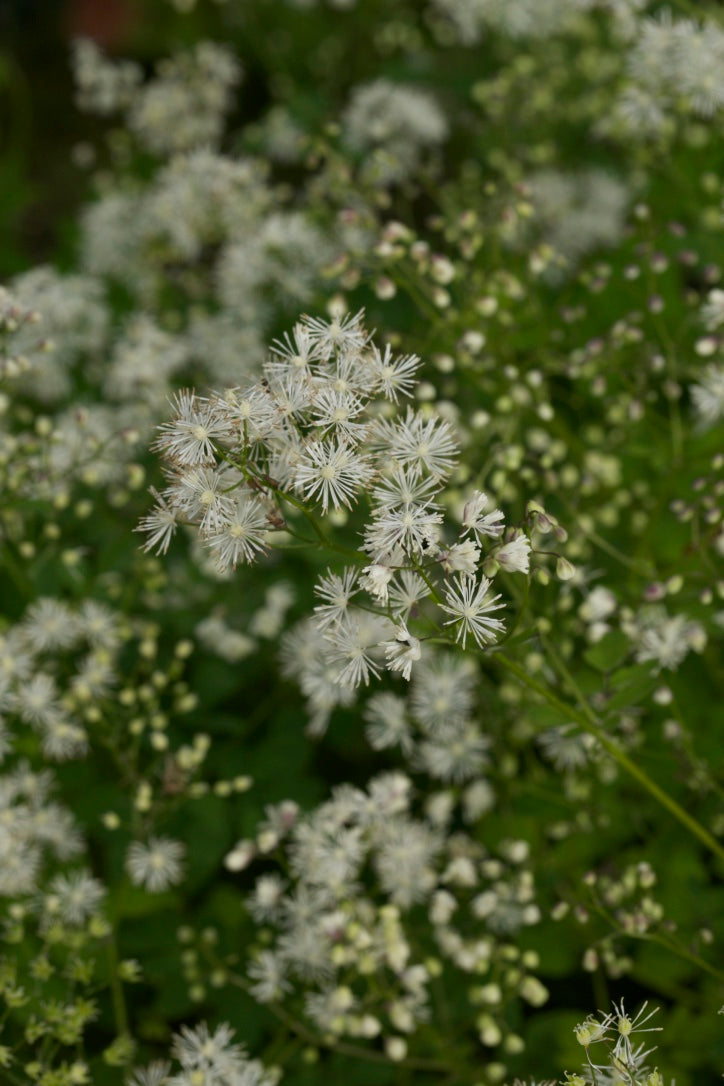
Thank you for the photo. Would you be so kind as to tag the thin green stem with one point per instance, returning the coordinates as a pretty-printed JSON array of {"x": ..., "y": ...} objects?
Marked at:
[
  {"x": 682, "y": 952},
  {"x": 594, "y": 1080},
  {"x": 407, "y": 282},
  {"x": 639, "y": 566},
  {"x": 324, "y": 540},
  {"x": 120, "y": 1016},
  {"x": 420, "y": 569},
  {"x": 19, "y": 575},
  {"x": 655, "y": 937},
  {"x": 586, "y": 719}
]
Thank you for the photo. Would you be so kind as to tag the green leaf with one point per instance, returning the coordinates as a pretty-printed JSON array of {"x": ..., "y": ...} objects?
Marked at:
[
  {"x": 609, "y": 652},
  {"x": 631, "y": 685}
]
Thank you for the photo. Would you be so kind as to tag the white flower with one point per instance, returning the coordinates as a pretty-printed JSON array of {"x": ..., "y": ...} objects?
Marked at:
[
  {"x": 712, "y": 312},
  {"x": 99, "y": 625},
  {"x": 599, "y": 604},
  {"x": 386, "y": 722},
  {"x": 667, "y": 641},
  {"x": 514, "y": 556},
  {"x": 183, "y": 106},
  {"x": 375, "y": 580},
  {"x": 394, "y": 118},
  {"x": 404, "y": 860},
  {"x": 157, "y": 865},
  {"x": 189, "y": 438},
  {"x": 578, "y": 210},
  {"x": 708, "y": 395},
  {"x": 491, "y": 524},
  {"x": 36, "y": 700},
  {"x": 291, "y": 394},
  {"x": 296, "y": 352},
  {"x": 264, "y": 902},
  {"x": 394, "y": 375},
  {"x": 470, "y": 605},
  {"x": 252, "y": 411},
  {"x": 268, "y": 974},
  {"x": 74, "y": 897},
  {"x": 16, "y": 659},
  {"x": 202, "y": 493},
  {"x": 413, "y": 528},
  {"x": 336, "y": 592},
  {"x": 336, "y": 411},
  {"x": 455, "y": 755},
  {"x": 566, "y": 746},
  {"x": 244, "y": 534},
  {"x": 419, "y": 443},
  {"x": 49, "y": 624},
  {"x": 331, "y": 471},
  {"x": 101, "y": 85},
  {"x": 95, "y": 677},
  {"x": 626, "y": 1027},
  {"x": 212, "y": 1053},
  {"x": 218, "y": 637},
  {"x": 390, "y": 794},
  {"x": 154, "y": 1074},
  {"x": 461, "y": 557},
  {"x": 443, "y": 691},
  {"x": 402, "y": 488},
  {"x": 345, "y": 335},
  {"x": 405, "y": 592},
  {"x": 354, "y": 641},
  {"x": 403, "y": 652},
  {"x": 160, "y": 524},
  {"x": 63, "y": 739}
]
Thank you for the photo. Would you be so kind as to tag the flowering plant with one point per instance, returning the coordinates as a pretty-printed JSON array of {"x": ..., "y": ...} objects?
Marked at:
[{"x": 379, "y": 741}]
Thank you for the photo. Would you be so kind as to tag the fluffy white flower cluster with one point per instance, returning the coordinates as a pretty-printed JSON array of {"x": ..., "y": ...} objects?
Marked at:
[
  {"x": 103, "y": 86},
  {"x": 316, "y": 431},
  {"x": 673, "y": 69},
  {"x": 34, "y": 685},
  {"x": 664, "y": 640},
  {"x": 75, "y": 321},
  {"x": 532, "y": 18},
  {"x": 17, "y": 342},
  {"x": 397, "y": 124},
  {"x": 578, "y": 212},
  {"x": 211, "y": 228},
  {"x": 205, "y": 1058},
  {"x": 182, "y": 107},
  {"x": 156, "y": 865},
  {"x": 358, "y": 865},
  {"x": 671, "y": 66},
  {"x": 195, "y": 201},
  {"x": 707, "y": 394},
  {"x": 680, "y": 59},
  {"x": 34, "y": 829}
]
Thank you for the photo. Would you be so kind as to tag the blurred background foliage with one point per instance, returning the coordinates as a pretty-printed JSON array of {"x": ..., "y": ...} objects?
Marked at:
[{"x": 309, "y": 61}]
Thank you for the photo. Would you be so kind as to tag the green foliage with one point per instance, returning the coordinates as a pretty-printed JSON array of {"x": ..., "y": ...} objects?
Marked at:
[{"x": 526, "y": 202}]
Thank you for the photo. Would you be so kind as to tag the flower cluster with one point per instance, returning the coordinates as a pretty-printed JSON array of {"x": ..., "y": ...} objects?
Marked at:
[
  {"x": 200, "y": 1055},
  {"x": 624, "y": 1058},
  {"x": 395, "y": 125},
  {"x": 353, "y": 874},
  {"x": 17, "y": 340},
  {"x": 182, "y": 107},
  {"x": 322, "y": 428},
  {"x": 486, "y": 547}
]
